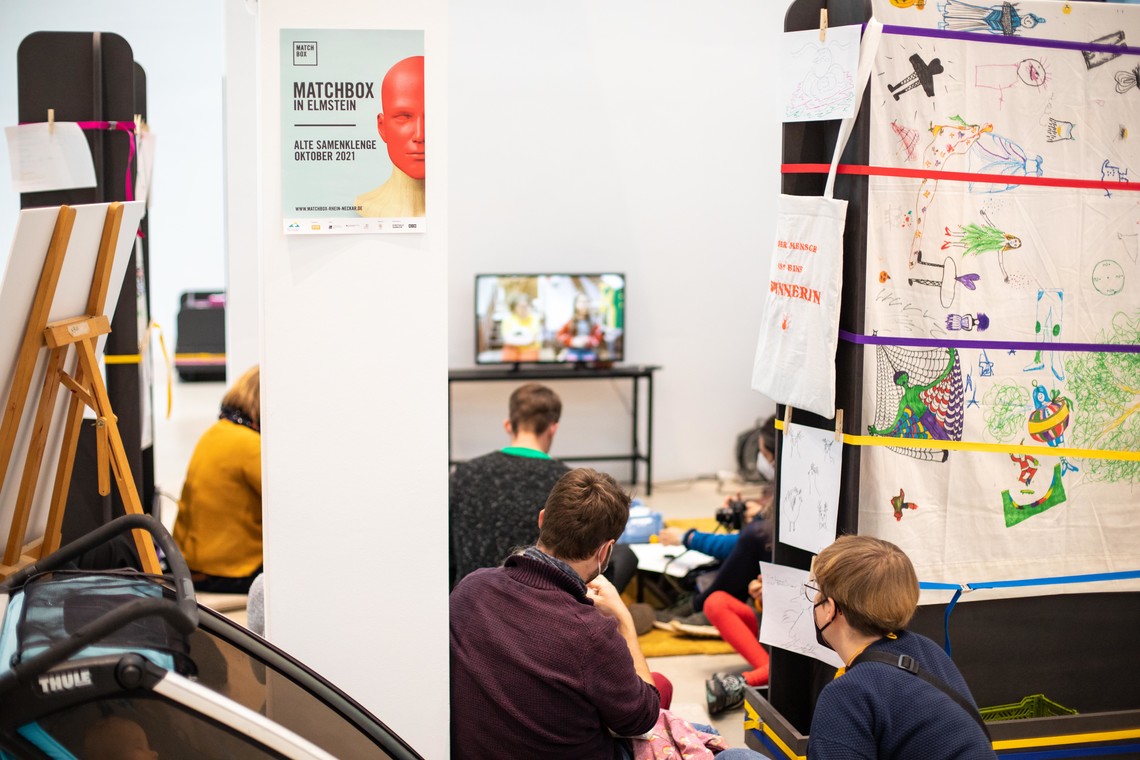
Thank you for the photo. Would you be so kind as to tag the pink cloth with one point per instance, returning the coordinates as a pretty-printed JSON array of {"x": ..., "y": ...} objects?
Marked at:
[{"x": 675, "y": 738}]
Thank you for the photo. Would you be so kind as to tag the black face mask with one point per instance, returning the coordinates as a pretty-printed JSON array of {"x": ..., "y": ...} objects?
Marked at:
[{"x": 819, "y": 631}]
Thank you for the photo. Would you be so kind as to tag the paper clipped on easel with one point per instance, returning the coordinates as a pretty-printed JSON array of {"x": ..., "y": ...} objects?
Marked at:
[
  {"x": 787, "y": 621},
  {"x": 818, "y": 77},
  {"x": 49, "y": 157},
  {"x": 811, "y": 464}
]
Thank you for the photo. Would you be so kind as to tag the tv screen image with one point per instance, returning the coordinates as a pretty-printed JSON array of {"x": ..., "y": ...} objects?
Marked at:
[{"x": 549, "y": 318}]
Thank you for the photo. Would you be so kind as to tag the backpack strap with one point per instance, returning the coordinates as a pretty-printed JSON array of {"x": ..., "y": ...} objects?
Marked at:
[{"x": 908, "y": 663}]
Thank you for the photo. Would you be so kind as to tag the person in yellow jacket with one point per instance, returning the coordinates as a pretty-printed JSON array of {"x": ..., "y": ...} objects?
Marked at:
[{"x": 218, "y": 527}]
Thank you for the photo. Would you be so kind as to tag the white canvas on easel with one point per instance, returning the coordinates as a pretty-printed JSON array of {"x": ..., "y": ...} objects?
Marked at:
[{"x": 17, "y": 292}]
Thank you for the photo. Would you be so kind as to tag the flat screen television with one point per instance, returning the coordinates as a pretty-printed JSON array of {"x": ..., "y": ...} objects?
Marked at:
[{"x": 549, "y": 318}]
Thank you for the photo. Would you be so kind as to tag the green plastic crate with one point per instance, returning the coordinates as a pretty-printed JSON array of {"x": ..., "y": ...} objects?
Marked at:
[{"x": 1033, "y": 706}]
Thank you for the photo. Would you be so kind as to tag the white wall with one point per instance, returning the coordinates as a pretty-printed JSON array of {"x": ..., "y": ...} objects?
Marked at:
[
  {"x": 179, "y": 45},
  {"x": 634, "y": 137},
  {"x": 354, "y": 415}
]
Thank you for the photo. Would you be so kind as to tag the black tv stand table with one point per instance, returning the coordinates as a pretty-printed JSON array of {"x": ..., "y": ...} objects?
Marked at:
[{"x": 521, "y": 373}]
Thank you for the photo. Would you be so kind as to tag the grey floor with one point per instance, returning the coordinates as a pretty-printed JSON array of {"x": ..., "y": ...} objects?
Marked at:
[{"x": 195, "y": 409}]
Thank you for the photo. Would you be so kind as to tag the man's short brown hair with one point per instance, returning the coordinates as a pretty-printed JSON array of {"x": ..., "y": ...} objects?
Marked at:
[
  {"x": 585, "y": 509},
  {"x": 872, "y": 581},
  {"x": 535, "y": 408}
]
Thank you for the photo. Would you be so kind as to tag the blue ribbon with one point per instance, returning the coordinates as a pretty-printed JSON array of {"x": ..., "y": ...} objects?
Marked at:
[{"x": 960, "y": 588}]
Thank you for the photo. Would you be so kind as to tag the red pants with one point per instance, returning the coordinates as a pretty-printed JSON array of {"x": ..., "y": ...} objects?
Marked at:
[
  {"x": 665, "y": 688},
  {"x": 737, "y": 624}
]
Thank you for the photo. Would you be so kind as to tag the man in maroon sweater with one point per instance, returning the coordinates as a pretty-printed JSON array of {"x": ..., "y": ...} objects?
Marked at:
[{"x": 544, "y": 655}]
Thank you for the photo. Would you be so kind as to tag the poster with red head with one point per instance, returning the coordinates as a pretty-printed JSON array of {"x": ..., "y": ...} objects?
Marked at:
[{"x": 352, "y": 131}]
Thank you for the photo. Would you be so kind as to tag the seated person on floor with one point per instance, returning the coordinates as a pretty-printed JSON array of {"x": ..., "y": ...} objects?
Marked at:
[
  {"x": 218, "y": 527},
  {"x": 545, "y": 660},
  {"x": 494, "y": 500},
  {"x": 864, "y": 592}
]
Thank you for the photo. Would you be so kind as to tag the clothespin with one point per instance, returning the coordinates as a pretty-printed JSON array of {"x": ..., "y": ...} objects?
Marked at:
[
  {"x": 787, "y": 416},
  {"x": 51, "y": 121},
  {"x": 823, "y": 24},
  {"x": 839, "y": 426}
]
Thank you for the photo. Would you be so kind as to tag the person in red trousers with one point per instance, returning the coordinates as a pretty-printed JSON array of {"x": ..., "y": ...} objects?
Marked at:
[{"x": 739, "y": 624}]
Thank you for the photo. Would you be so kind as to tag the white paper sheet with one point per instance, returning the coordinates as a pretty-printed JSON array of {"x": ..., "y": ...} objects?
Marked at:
[
  {"x": 43, "y": 159},
  {"x": 810, "y": 467},
  {"x": 787, "y": 620},
  {"x": 818, "y": 78},
  {"x": 670, "y": 560}
]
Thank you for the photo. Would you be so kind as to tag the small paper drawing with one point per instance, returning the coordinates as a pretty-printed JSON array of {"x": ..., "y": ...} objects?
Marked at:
[
  {"x": 809, "y": 477},
  {"x": 1016, "y": 513},
  {"x": 788, "y": 621},
  {"x": 899, "y": 503},
  {"x": 1005, "y": 19},
  {"x": 922, "y": 76},
  {"x": 820, "y": 75},
  {"x": 1050, "y": 309},
  {"x": 1108, "y": 277},
  {"x": 920, "y": 395}
]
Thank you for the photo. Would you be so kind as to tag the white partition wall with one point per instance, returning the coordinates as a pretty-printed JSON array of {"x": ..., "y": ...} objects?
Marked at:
[{"x": 354, "y": 362}]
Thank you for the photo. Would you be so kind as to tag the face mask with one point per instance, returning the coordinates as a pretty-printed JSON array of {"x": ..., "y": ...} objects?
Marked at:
[
  {"x": 602, "y": 568},
  {"x": 819, "y": 631},
  {"x": 766, "y": 469}
]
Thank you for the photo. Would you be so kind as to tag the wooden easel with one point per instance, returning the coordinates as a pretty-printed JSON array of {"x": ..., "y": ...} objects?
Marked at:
[{"x": 87, "y": 389}]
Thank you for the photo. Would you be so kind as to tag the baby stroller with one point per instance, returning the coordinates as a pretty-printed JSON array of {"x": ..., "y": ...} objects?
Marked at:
[{"x": 96, "y": 664}]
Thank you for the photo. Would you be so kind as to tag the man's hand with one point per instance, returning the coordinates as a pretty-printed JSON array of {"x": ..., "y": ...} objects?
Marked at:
[
  {"x": 607, "y": 599},
  {"x": 671, "y": 536}
]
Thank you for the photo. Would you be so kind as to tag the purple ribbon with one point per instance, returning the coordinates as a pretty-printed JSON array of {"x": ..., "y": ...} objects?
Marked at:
[
  {"x": 947, "y": 34},
  {"x": 1028, "y": 345}
]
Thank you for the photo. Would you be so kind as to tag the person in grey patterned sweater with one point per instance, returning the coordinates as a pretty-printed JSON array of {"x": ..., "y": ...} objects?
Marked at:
[{"x": 495, "y": 499}]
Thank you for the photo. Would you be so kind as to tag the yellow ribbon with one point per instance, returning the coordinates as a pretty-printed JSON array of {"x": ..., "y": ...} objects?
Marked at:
[
  {"x": 144, "y": 346},
  {"x": 999, "y": 448}
]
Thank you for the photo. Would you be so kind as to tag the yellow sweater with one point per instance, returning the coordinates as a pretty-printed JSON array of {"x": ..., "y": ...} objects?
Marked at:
[{"x": 219, "y": 516}]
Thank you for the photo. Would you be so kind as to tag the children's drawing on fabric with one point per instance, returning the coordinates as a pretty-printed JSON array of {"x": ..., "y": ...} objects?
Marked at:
[
  {"x": 1127, "y": 80},
  {"x": 1131, "y": 243},
  {"x": 1003, "y": 76},
  {"x": 1059, "y": 131},
  {"x": 972, "y": 390},
  {"x": 947, "y": 140},
  {"x": 1050, "y": 417},
  {"x": 899, "y": 503},
  {"x": 1112, "y": 173},
  {"x": 985, "y": 366},
  {"x": 919, "y": 395},
  {"x": 945, "y": 277},
  {"x": 916, "y": 4},
  {"x": 976, "y": 239},
  {"x": 967, "y": 322},
  {"x": 1094, "y": 58},
  {"x": 994, "y": 154},
  {"x": 908, "y": 141},
  {"x": 1050, "y": 310},
  {"x": 1108, "y": 277},
  {"x": 907, "y": 317},
  {"x": 922, "y": 75},
  {"x": 1067, "y": 466},
  {"x": 1015, "y": 513},
  {"x": 1005, "y": 19},
  {"x": 1006, "y": 407},
  {"x": 1028, "y": 465},
  {"x": 787, "y": 620},
  {"x": 1105, "y": 387}
]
